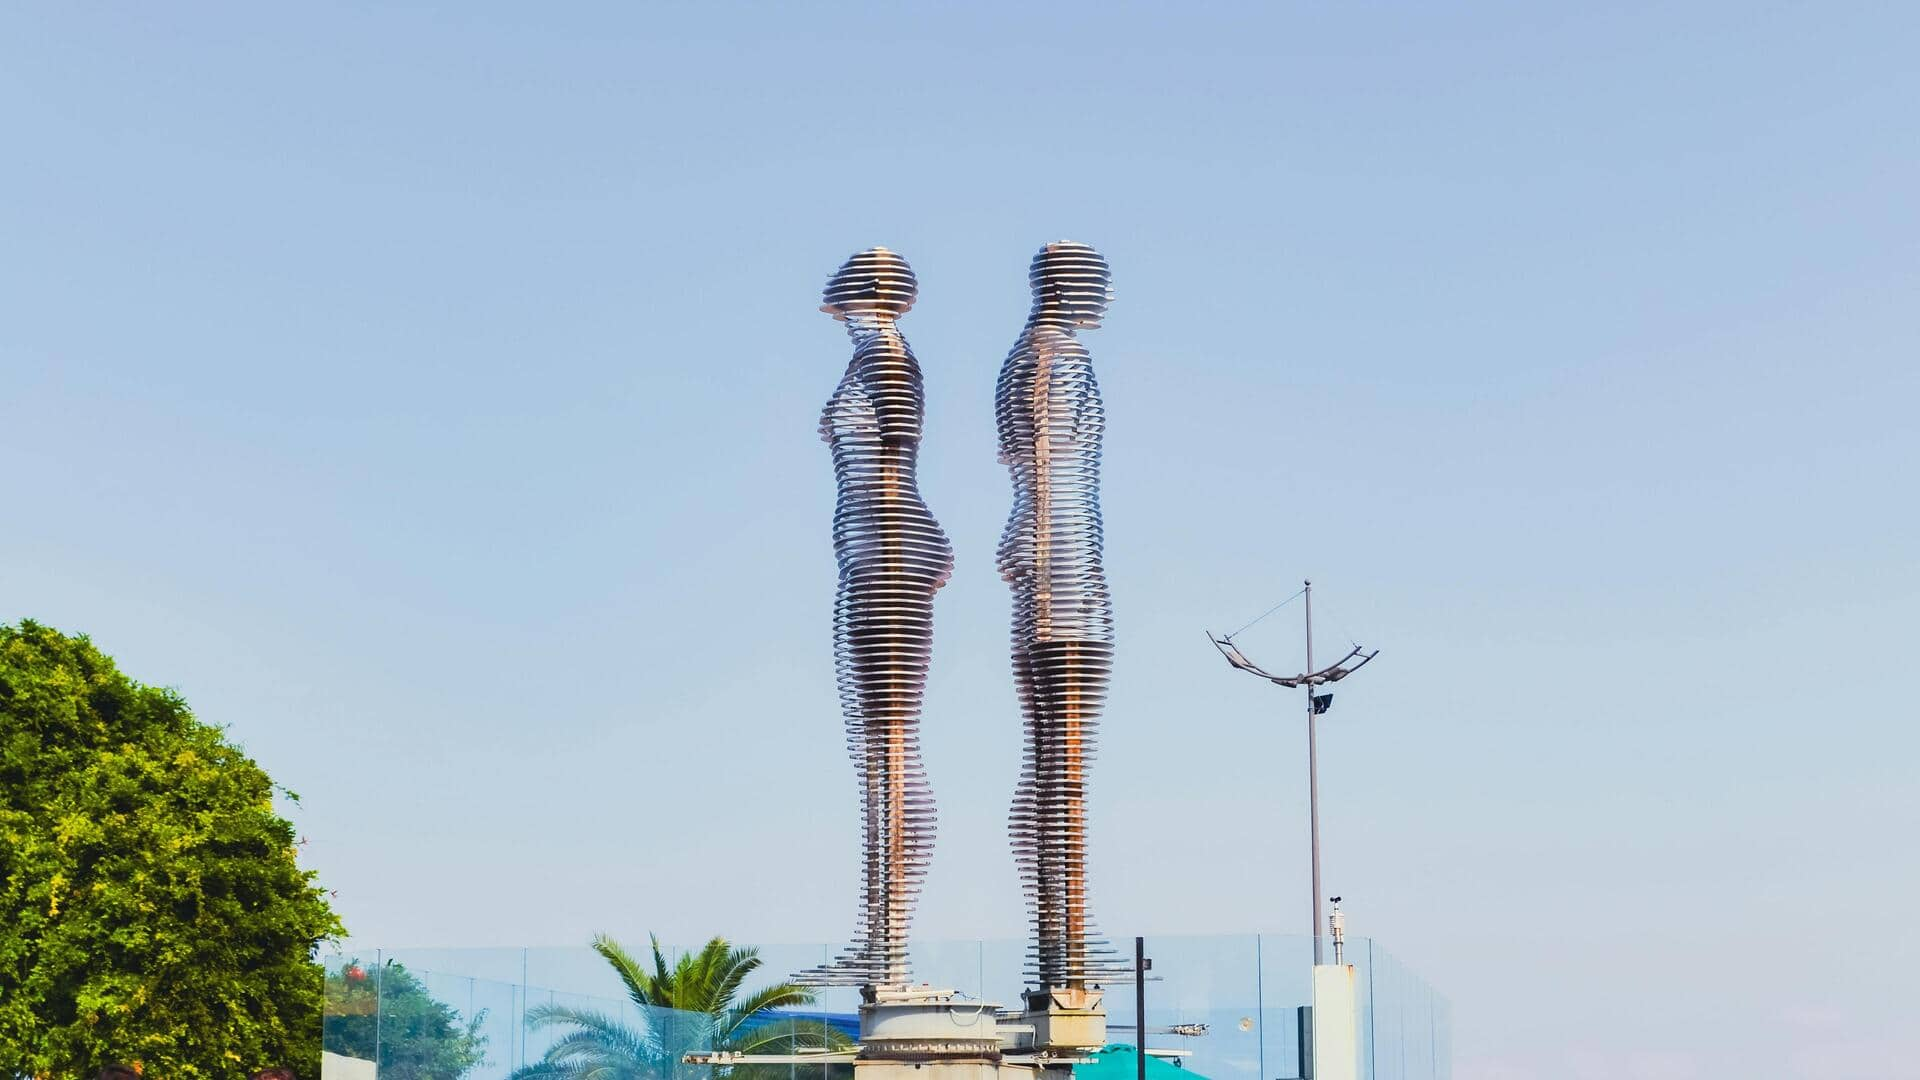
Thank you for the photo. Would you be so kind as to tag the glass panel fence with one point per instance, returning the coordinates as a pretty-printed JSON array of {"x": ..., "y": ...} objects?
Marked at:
[
  {"x": 387, "y": 1019},
  {"x": 1220, "y": 1007},
  {"x": 1405, "y": 1026}
]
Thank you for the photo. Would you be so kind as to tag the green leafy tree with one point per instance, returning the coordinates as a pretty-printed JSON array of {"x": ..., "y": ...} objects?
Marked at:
[
  {"x": 151, "y": 908},
  {"x": 691, "y": 1003},
  {"x": 387, "y": 1015}
]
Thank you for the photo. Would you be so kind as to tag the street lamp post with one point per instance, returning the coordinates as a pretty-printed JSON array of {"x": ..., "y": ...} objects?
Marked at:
[{"x": 1316, "y": 704}]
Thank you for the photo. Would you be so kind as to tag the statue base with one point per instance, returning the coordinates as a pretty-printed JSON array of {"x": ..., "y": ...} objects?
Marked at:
[
  {"x": 926, "y": 1034},
  {"x": 919, "y": 1033},
  {"x": 1066, "y": 1022}
]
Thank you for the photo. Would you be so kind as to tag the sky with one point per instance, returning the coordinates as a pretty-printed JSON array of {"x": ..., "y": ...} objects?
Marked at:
[{"x": 429, "y": 394}]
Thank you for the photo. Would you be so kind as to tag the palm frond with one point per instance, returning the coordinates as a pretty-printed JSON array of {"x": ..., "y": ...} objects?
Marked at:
[
  {"x": 788, "y": 1034},
  {"x": 541, "y": 1070},
  {"x": 777, "y": 996},
  {"x": 592, "y": 1019},
  {"x": 705, "y": 973},
  {"x": 734, "y": 967},
  {"x": 646, "y": 1041},
  {"x": 688, "y": 1001},
  {"x": 660, "y": 976},
  {"x": 624, "y": 1045},
  {"x": 632, "y": 975}
]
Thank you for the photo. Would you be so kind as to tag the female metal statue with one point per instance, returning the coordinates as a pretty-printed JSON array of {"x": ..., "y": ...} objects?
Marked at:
[{"x": 893, "y": 557}]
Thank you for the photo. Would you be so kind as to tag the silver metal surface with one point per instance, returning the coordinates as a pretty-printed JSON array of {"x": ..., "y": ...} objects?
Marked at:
[
  {"x": 892, "y": 558},
  {"x": 1313, "y": 780},
  {"x": 1051, "y": 420}
]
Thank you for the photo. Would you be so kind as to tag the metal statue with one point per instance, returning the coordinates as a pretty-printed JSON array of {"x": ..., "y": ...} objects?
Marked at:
[
  {"x": 892, "y": 557},
  {"x": 1050, "y": 419}
]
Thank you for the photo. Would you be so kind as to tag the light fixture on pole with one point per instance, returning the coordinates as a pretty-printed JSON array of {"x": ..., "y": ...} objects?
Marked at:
[{"x": 1312, "y": 679}]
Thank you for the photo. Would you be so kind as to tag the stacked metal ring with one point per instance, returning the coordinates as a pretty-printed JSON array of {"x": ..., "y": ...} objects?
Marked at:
[
  {"x": 892, "y": 558},
  {"x": 1051, "y": 421}
]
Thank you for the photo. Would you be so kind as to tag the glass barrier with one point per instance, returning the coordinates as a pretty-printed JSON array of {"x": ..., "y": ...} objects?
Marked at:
[
  {"x": 1405, "y": 1026},
  {"x": 388, "y": 1019},
  {"x": 1221, "y": 1007}
]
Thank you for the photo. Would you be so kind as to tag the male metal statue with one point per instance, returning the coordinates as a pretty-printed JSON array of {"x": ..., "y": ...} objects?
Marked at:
[
  {"x": 1050, "y": 419},
  {"x": 893, "y": 557}
]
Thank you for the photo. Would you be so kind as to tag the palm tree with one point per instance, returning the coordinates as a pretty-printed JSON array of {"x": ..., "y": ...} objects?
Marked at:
[{"x": 684, "y": 1005}]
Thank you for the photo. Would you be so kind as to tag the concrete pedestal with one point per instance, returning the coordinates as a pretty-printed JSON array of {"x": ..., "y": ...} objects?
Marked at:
[
  {"x": 1066, "y": 1021},
  {"x": 927, "y": 1035}
]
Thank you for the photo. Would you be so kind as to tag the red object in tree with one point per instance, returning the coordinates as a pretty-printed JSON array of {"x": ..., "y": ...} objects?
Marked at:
[{"x": 356, "y": 973}]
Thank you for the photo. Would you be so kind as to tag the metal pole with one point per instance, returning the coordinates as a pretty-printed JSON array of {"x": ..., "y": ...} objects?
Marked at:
[
  {"x": 1140, "y": 1007},
  {"x": 379, "y": 990},
  {"x": 1313, "y": 781},
  {"x": 1260, "y": 1004}
]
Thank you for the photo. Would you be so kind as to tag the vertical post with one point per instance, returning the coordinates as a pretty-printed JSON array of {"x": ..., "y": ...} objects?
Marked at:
[
  {"x": 379, "y": 1004},
  {"x": 1303, "y": 1040},
  {"x": 1373, "y": 976},
  {"x": 1313, "y": 782},
  {"x": 1140, "y": 1007},
  {"x": 1260, "y": 1004}
]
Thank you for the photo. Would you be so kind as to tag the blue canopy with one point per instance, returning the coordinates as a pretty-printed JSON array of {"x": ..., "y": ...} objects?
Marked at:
[{"x": 847, "y": 1024}]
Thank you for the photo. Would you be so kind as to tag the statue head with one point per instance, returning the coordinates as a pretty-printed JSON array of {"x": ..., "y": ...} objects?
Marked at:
[
  {"x": 876, "y": 283},
  {"x": 1071, "y": 283}
]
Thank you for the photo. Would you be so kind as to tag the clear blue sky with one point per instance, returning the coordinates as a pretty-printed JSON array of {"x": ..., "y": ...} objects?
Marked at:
[{"x": 429, "y": 392}]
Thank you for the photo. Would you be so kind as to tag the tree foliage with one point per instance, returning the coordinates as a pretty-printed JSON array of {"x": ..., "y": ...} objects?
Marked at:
[
  {"x": 693, "y": 1002},
  {"x": 387, "y": 1015},
  {"x": 151, "y": 907}
]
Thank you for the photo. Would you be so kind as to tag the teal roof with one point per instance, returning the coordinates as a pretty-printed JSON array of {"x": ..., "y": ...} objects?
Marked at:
[{"x": 1117, "y": 1061}]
